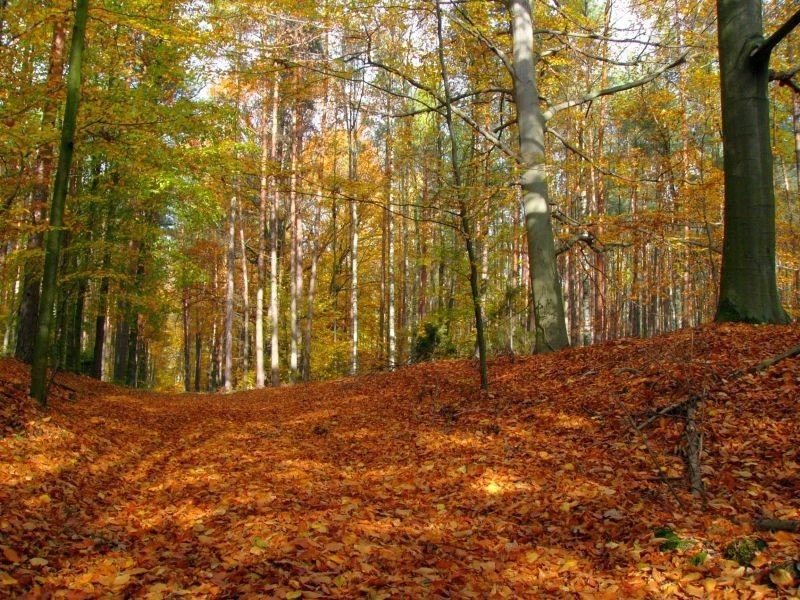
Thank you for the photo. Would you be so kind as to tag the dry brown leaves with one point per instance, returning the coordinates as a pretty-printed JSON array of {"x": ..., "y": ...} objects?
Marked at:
[{"x": 409, "y": 484}]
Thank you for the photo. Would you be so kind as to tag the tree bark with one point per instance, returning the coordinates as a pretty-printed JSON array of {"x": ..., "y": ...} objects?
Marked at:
[
  {"x": 273, "y": 255},
  {"x": 187, "y": 360},
  {"x": 53, "y": 244},
  {"x": 748, "y": 286},
  {"x": 548, "y": 305},
  {"x": 467, "y": 228},
  {"x": 245, "y": 298},
  {"x": 29, "y": 306},
  {"x": 229, "y": 291},
  {"x": 262, "y": 246}
]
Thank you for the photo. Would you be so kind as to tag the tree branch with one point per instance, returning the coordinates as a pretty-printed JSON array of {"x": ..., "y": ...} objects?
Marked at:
[
  {"x": 785, "y": 78},
  {"x": 593, "y": 95},
  {"x": 455, "y": 110},
  {"x": 763, "y": 51}
]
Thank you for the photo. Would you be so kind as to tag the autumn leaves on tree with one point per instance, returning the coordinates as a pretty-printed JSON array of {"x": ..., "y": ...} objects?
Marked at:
[{"x": 277, "y": 193}]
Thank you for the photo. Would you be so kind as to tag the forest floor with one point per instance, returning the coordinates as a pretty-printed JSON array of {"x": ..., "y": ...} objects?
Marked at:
[{"x": 414, "y": 484}]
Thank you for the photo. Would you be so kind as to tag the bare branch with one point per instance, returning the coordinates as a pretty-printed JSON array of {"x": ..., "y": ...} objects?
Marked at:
[
  {"x": 584, "y": 237},
  {"x": 593, "y": 95},
  {"x": 442, "y": 101},
  {"x": 469, "y": 27},
  {"x": 584, "y": 156}
]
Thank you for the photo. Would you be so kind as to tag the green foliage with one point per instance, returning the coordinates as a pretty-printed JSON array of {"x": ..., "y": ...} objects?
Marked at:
[
  {"x": 433, "y": 343},
  {"x": 744, "y": 550},
  {"x": 699, "y": 559},
  {"x": 671, "y": 540}
]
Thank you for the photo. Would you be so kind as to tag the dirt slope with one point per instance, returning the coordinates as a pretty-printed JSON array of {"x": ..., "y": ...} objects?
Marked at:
[{"x": 411, "y": 484}]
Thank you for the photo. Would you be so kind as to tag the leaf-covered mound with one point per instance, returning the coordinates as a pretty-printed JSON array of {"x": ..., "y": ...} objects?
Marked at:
[{"x": 413, "y": 483}]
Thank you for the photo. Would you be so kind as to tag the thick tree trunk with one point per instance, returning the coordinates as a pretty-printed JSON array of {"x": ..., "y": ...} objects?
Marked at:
[
  {"x": 548, "y": 305},
  {"x": 748, "y": 287},
  {"x": 56, "y": 222}
]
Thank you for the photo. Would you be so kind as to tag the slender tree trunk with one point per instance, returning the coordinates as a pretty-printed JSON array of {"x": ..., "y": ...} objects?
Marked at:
[
  {"x": 312, "y": 286},
  {"x": 467, "y": 228},
  {"x": 295, "y": 261},
  {"x": 229, "y": 291},
  {"x": 352, "y": 174},
  {"x": 548, "y": 305},
  {"x": 392, "y": 353},
  {"x": 245, "y": 298},
  {"x": 262, "y": 246},
  {"x": 76, "y": 337},
  {"x": 187, "y": 359},
  {"x": 122, "y": 331},
  {"x": 102, "y": 305},
  {"x": 56, "y": 223},
  {"x": 273, "y": 256},
  {"x": 32, "y": 278},
  {"x": 198, "y": 358},
  {"x": 748, "y": 287}
]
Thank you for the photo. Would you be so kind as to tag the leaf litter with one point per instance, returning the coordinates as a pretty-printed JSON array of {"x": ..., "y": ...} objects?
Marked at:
[{"x": 414, "y": 483}]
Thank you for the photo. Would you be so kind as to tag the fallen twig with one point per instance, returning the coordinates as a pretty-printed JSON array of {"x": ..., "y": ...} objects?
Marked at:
[
  {"x": 765, "y": 364},
  {"x": 666, "y": 410},
  {"x": 778, "y": 525},
  {"x": 652, "y": 454}
]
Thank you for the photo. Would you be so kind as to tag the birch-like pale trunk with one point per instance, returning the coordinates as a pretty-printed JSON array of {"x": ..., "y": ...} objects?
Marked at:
[
  {"x": 245, "y": 298},
  {"x": 352, "y": 167},
  {"x": 262, "y": 244},
  {"x": 392, "y": 335},
  {"x": 296, "y": 259},
  {"x": 229, "y": 290},
  {"x": 273, "y": 253}
]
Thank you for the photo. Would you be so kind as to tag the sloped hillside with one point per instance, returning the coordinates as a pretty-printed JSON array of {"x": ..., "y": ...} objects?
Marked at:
[{"x": 415, "y": 483}]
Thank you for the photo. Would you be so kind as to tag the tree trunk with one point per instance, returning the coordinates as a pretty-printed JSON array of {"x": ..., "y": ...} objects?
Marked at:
[
  {"x": 748, "y": 287},
  {"x": 352, "y": 174},
  {"x": 467, "y": 228},
  {"x": 229, "y": 290},
  {"x": 187, "y": 359},
  {"x": 273, "y": 255},
  {"x": 32, "y": 278},
  {"x": 53, "y": 247},
  {"x": 262, "y": 247},
  {"x": 548, "y": 305},
  {"x": 295, "y": 261},
  {"x": 245, "y": 299},
  {"x": 198, "y": 358}
]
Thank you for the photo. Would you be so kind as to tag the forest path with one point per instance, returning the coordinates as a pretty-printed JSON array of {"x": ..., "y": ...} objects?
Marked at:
[{"x": 406, "y": 484}]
